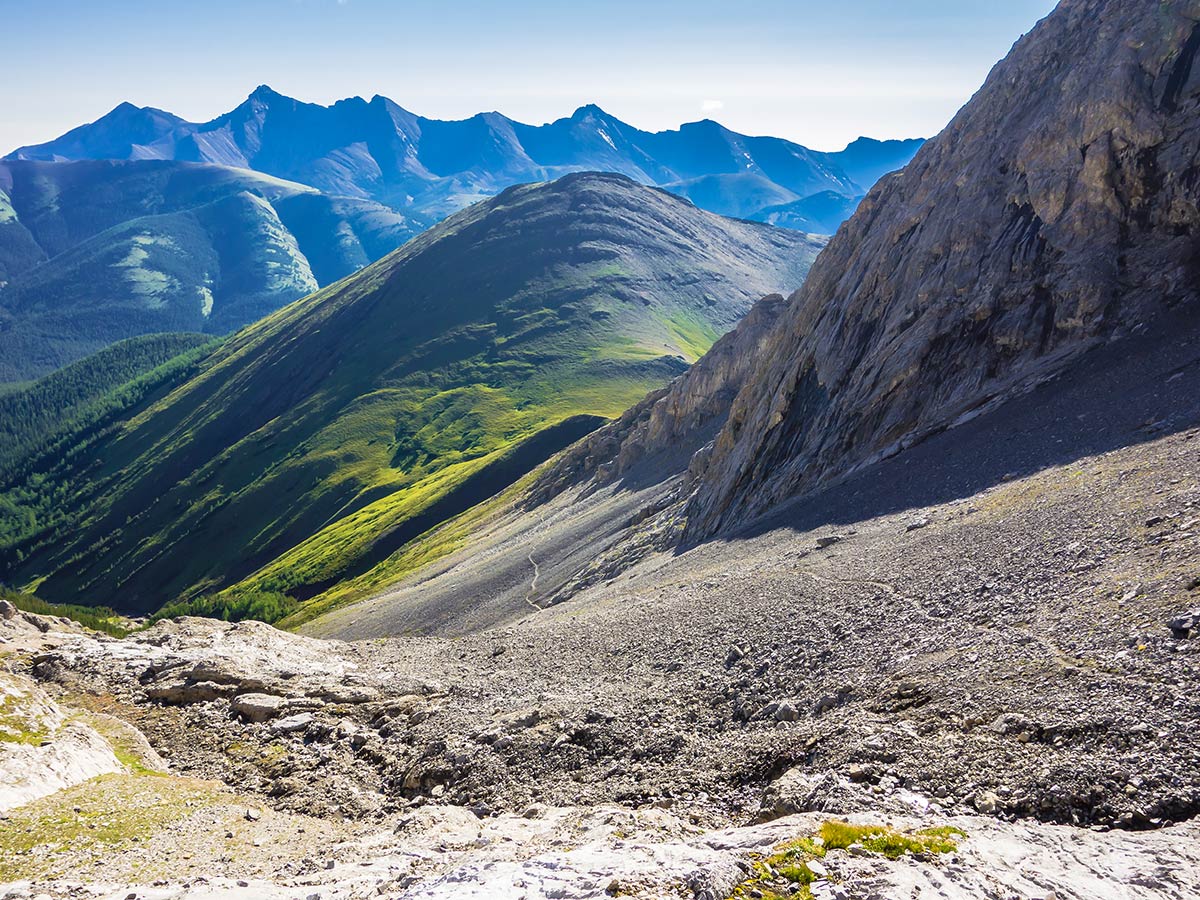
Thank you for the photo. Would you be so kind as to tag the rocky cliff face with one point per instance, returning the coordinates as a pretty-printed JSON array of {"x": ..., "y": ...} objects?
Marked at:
[{"x": 1057, "y": 211}]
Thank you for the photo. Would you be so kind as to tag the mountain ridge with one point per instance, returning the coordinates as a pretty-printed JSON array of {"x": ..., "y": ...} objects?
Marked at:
[
  {"x": 96, "y": 251},
  {"x": 311, "y": 439},
  {"x": 377, "y": 149}
]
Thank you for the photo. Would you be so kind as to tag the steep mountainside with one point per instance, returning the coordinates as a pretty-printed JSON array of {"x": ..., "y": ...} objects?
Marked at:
[
  {"x": 986, "y": 267},
  {"x": 315, "y": 444},
  {"x": 375, "y": 149},
  {"x": 1056, "y": 212},
  {"x": 34, "y": 418},
  {"x": 94, "y": 252}
]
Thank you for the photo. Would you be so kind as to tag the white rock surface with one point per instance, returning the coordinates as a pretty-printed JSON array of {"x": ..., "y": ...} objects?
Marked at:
[
  {"x": 449, "y": 854},
  {"x": 42, "y": 752}
]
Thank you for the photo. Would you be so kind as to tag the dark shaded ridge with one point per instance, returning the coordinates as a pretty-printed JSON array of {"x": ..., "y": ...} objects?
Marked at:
[
  {"x": 475, "y": 489},
  {"x": 1155, "y": 375},
  {"x": 1181, "y": 71}
]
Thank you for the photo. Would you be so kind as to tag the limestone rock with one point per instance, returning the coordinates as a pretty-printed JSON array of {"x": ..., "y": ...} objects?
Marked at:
[
  {"x": 41, "y": 751},
  {"x": 257, "y": 707}
]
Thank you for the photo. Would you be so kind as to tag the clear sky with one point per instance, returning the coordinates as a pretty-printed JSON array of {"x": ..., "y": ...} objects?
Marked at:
[{"x": 820, "y": 72}]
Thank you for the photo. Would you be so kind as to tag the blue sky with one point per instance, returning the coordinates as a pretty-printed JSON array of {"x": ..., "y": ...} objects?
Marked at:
[{"x": 820, "y": 73}]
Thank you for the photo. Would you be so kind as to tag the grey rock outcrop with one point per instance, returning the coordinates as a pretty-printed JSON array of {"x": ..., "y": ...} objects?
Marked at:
[
  {"x": 41, "y": 749},
  {"x": 1056, "y": 212}
]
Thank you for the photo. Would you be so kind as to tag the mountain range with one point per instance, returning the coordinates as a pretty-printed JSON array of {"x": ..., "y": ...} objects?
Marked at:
[
  {"x": 310, "y": 446},
  {"x": 428, "y": 167},
  {"x": 142, "y": 222}
]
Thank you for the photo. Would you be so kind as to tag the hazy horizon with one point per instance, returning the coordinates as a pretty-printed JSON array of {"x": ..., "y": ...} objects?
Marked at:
[{"x": 804, "y": 71}]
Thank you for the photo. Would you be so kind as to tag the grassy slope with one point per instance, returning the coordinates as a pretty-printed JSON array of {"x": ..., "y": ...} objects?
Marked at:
[{"x": 309, "y": 440}]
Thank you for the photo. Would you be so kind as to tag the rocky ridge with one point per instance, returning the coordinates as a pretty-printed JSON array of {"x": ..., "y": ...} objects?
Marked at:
[{"x": 1056, "y": 212}]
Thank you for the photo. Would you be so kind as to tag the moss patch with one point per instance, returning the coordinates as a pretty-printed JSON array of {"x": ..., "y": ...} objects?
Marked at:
[
  {"x": 786, "y": 872},
  {"x": 127, "y": 744}
]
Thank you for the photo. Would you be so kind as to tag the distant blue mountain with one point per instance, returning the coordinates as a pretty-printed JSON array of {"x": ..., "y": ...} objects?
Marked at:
[
  {"x": 429, "y": 168},
  {"x": 817, "y": 213}
]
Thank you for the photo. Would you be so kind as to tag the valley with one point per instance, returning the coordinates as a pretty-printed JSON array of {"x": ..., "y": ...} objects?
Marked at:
[
  {"x": 614, "y": 534},
  {"x": 310, "y": 447}
]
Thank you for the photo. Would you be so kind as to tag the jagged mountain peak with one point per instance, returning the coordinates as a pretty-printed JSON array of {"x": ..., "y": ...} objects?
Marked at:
[
  {"x": 705, "y": 125},
  {"x": 589, "y": 110},
  {"x": 265, "y": 92},
  {"x": 265, "y": 98}
]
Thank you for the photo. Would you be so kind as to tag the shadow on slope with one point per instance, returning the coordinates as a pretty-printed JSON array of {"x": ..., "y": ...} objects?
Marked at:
[
  {"x": 472, "y": 490},
  {"x": 1117, "y": 395}
]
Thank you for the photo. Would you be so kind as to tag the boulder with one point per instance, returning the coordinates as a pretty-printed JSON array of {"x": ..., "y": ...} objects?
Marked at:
[
  {"x": 1184, "y": 624},
  {"x": 291, "y": 724},
  {"x": 257, "y": 707}
]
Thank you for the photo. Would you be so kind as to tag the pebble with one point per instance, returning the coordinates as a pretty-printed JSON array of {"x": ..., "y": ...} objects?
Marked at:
[{"x": 735, "y": 654}]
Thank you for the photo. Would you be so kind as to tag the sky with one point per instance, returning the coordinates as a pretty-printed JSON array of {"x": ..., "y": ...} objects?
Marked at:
[{"x": 819, "y": 73}]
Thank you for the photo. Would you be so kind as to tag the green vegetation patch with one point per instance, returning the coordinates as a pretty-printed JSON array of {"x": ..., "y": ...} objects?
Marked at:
[
  {"x": 786, "y": 873},
  {"x": 95, "y": 818},
  {"x": 693, "y": 334},
  {"x": 97, "y": 618},
  {"x": 18, "y": 724},
  {"x": 232, "y": 606},
  {"x": 65, "y": 403}
]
